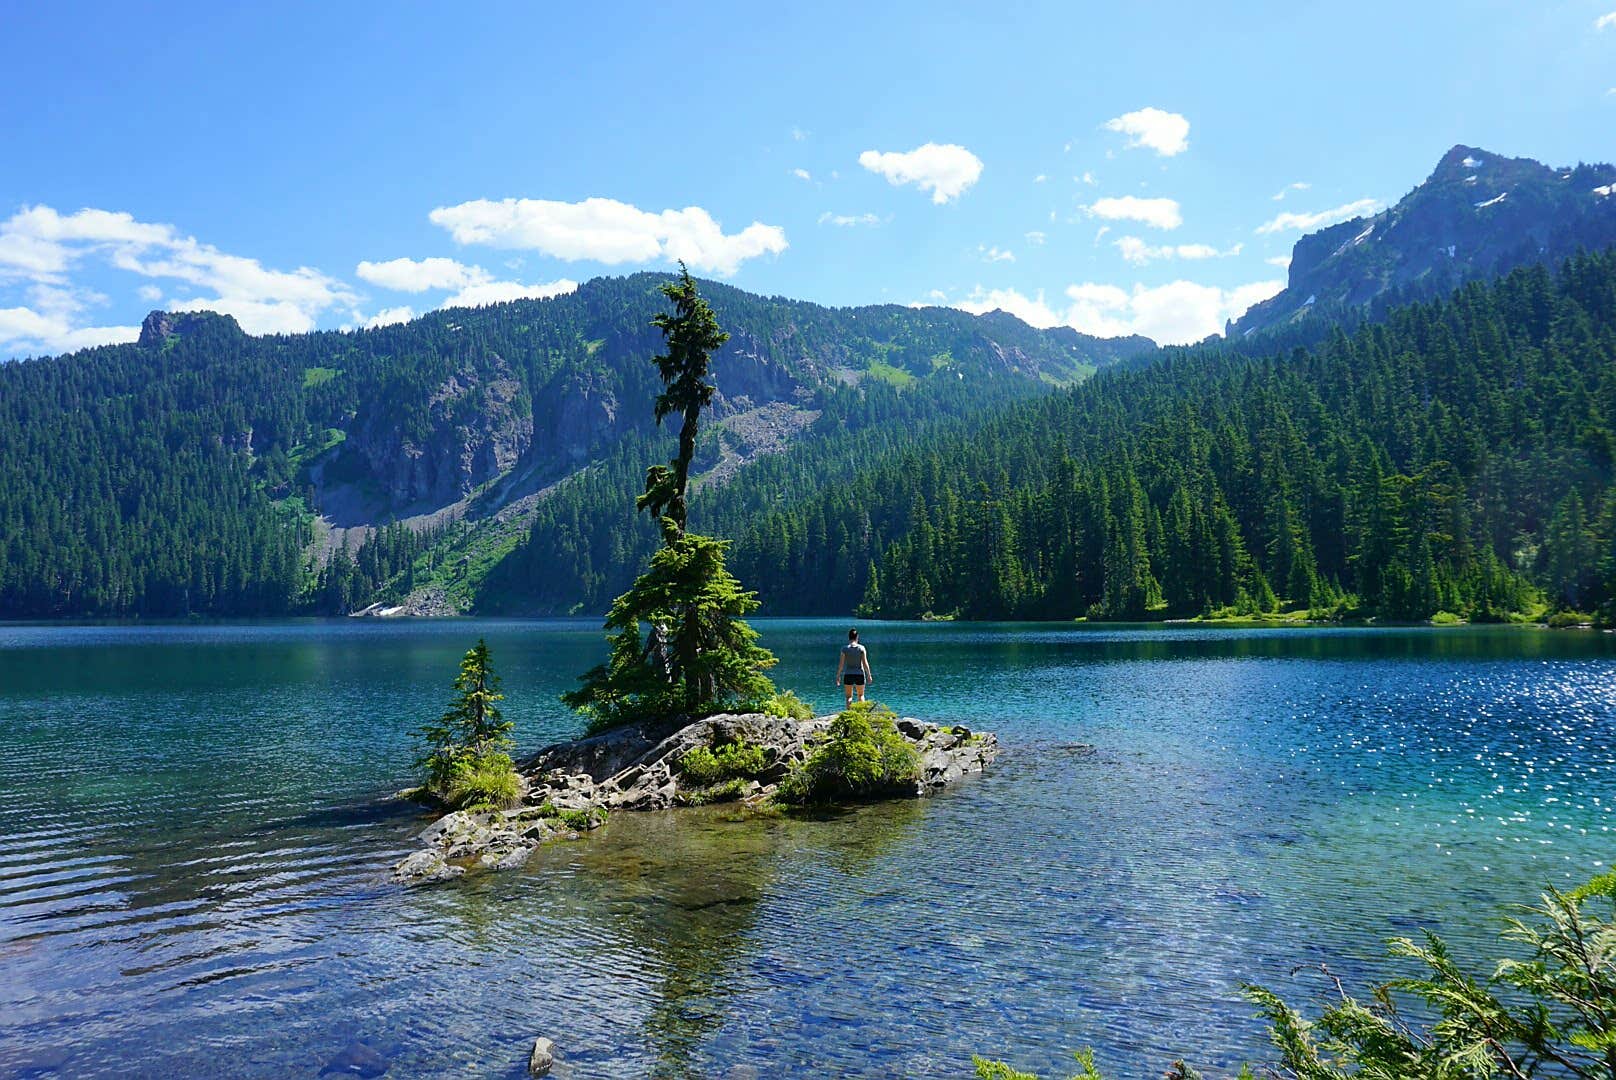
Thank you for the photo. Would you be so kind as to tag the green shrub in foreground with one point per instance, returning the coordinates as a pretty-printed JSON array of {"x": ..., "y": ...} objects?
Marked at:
[
  {"x": 862, "y": 755},
  {"x": 1551, "y": 1014},
  {"x": 483, "y": 783},
  {"x": 788, "y": 706}
]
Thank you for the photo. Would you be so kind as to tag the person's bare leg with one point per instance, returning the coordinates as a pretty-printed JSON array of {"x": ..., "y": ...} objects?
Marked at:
[
  {"x": 848, "y": 687},
  {"x": 861, "y": 691}
]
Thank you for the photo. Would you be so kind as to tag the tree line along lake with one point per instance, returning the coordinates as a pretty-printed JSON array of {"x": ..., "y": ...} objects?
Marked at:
[{"x": 196, "y": 838}]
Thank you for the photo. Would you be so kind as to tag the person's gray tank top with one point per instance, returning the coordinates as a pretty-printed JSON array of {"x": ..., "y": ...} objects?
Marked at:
[{"x": 852, "y": 657}]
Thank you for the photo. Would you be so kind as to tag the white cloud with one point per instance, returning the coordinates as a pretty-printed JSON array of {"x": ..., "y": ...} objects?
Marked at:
[
  {"x": 1300, "y": 185},
  {"x": 1036, "y": 237},
  {"x": 24, "y": 331},
  {"x": 149, "y": 293},
  {"x": 1305, "y": 222},
  {"x": 412, "y": 275},
  {"x": 41, "y": 246},
  {"x": 802, "y": 174},
  {"x": 1173, "y": 314},
  {"x": 608, "y": 231},
  {"x": 49, "y": 322},
  {"x": 1031, "y": 310},
  {"x": 473, "y": 286},
  {"x": 1040, "y": 178},
  {"x": 995, "y": 254},
  {"x": 484, "y": 293},
  {"x": 1139, "y": 252},
  {"x": 1157, "y": 213},
  {"x": 389, "y": 316},
  {"x": 844, "y": 220},
  {"x": 1281, "y": 261},
  {"x": 1605, "y": 22},
  {"x": 1086, "y": 178},
  {"x": 1154, "y": 129},
  {"x": 946, "y": 170}
]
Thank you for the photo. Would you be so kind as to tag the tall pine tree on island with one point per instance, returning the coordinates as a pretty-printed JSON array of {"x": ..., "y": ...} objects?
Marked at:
[{"x": 699, "y": 657}]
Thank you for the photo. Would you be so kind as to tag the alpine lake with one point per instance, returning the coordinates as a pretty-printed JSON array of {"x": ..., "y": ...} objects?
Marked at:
[{"x": 196, "y": 836}]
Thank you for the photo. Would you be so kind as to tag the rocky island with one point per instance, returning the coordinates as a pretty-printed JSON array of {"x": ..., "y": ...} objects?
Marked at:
[{"x": 572, "y": 787}]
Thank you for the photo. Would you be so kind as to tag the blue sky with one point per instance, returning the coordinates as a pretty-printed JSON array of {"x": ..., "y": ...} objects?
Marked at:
[{"x": 1115, "y": 167}]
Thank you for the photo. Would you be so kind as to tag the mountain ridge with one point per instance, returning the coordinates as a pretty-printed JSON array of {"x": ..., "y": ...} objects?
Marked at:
[{"x": 1477, "y": 216}]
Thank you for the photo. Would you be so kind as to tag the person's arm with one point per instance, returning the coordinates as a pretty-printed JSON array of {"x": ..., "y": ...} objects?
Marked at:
[
  {"x": 841, "y": 661},
  {"x": 868, "y": 678}
]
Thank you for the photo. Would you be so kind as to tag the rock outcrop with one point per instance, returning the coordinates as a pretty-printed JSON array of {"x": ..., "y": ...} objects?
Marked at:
[
  {"x": 571, "y": 787},
  {"x": 476, "y": 426}
]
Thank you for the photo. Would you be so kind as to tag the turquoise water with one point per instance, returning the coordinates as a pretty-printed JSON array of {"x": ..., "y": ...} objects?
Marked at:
[{"x": 194, "y": 851}]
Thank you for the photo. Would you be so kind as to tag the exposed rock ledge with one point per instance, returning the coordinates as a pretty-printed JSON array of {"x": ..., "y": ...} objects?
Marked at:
[{"x": 572, "y": 785}]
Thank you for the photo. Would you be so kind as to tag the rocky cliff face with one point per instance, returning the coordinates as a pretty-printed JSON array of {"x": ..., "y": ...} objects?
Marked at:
[
  {"x": 478, "y": 424},
  {"x": 1477, "y": 216}
]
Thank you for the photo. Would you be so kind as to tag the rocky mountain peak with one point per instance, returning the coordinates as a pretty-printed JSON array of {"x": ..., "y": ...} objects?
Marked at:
[
  {"x": 159, "y": 326},
  {"x": 1477, "y": 216}
]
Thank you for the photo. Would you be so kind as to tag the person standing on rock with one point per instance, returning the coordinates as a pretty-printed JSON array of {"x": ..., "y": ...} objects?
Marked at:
[{"x": 853, "y": 669}]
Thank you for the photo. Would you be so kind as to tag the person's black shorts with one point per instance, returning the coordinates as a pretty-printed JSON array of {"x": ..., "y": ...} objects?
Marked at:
[{"x": 852, "y": 678}]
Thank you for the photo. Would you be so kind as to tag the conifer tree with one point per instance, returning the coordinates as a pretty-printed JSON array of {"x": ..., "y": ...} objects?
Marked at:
[
  {"x": 472, "y": 728},
  {"x": 699, "y": 656}
]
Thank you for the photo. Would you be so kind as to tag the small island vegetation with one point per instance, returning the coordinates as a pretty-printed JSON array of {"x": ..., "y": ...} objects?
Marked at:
[
  {"x": 861, "y": 756},
  {"x": 465, "y": 752}
]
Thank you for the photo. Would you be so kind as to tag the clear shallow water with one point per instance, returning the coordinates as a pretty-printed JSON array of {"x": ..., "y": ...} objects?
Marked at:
[{"x": 194, "y": 855}]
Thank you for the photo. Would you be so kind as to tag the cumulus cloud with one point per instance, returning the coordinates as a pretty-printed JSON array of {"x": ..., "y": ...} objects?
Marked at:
[
  {"x": 1304, "y": 222},
  {"x": 41, "y": 247},
  {"x": 1040, "y": 178},
  {"x": 803, "y": 174},
  {"x": 389, "y": 316},
  {"x": 419, "y": 275},
  {"x": 473, "y": 286},
  {"x": 845, "y": 220},
  {"x": 608, "y": 231},
  {"x": 1032, "y": 310},
  {"x": 484, "y": 293},
  {"x": 946, "y": 170},
  {"x": 1153, "y": 129},
  {"x": 1177, "y": 313},
  {"x": 51, "y": 322},
  {"x": 995, "y": 253},
  {"x": 1157, "y": 213},
  {"x": 1139, "y": 252},
  {"x": 1300, "y": 185},
  {"x": 1605, "y": 22}
]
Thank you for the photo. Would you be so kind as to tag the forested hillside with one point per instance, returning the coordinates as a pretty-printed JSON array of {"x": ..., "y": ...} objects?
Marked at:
[
  {"x": 201, "y": 470},
  {"x": 1457, "y": 457}
]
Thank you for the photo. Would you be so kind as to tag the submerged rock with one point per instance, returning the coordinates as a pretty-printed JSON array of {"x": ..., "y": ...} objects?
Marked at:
[
  {"x": 543, "y": 1057},
  {"x": 573, "y": 786},
  {"x": 356, "y": 1059}
]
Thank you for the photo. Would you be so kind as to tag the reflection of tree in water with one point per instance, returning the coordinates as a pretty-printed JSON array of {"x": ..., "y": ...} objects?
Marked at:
[{"x": 686, "y": 887}]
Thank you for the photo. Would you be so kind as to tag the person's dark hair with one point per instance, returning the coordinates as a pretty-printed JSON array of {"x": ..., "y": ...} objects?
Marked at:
[{"x": 852, "y": 635}]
